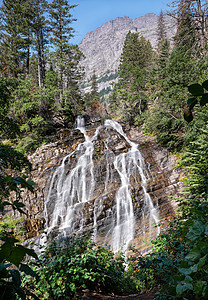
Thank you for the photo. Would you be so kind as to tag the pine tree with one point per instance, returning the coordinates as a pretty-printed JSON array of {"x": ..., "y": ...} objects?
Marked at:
[
  {"x": 72, "y": 101},
  {"x": 161, "y": 28},
  {"x": 94, "y": 88},
  {"x": 133, "y": 69},
  {"x": 15, "y": 39},
  {"x": 174, "y": 73},
  {"x": 39, "y": 28},
  {"x": 66, "y": 58},
  {"x": 92, "y": 100},
  {"x": 163, "y": 57},
  {"x": 197, "y": 13},
  {"x": 61, "y": 31}
]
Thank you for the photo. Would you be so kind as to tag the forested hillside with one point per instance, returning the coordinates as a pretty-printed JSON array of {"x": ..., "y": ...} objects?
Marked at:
[{"x": 161, "y": 92}]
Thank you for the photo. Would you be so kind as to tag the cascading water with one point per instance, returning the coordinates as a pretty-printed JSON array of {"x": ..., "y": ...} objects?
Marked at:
[
  {"x": 127, "y": 165},
  {"x": 72, "y": 190}
]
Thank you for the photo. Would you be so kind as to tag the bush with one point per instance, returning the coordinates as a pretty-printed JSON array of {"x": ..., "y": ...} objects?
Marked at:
[
  {"x": 179, "y": 262},
  {"x": 66, "y": 268}
]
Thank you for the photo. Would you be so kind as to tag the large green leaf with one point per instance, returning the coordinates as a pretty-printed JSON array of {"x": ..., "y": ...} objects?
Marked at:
[
  {"x": 16, "y": 277},
  {"x": 195, "y": 230},
  {"x": 190, "y": 270},
  {"x": 191, "y": 102},
  {"x": 17, "y": 254},
  {"x": 206, "y": 229},
  {"x": 196, "y": 89},
  {"x": 194, "y": 254},
  {"x": 14, "y": 253},
  {"x": 185, "y": 271},
  {"x": 27, "y": 270},
  {"x": 183, "y": 287},
  {"x": 202, "y": 261},
  {"x": 188, "y": 116},
  {"x": 205, "y": 85},
  {"x": 204, "y": 99}
]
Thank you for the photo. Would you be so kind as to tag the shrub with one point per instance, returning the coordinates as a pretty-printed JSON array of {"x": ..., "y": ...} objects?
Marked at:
[
  {"x": 66, "y": 268},
  {"x": 179, "y": 262}
]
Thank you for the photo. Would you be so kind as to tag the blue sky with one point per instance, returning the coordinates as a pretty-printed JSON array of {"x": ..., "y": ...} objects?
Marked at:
[{"x": 91, "y": 14}]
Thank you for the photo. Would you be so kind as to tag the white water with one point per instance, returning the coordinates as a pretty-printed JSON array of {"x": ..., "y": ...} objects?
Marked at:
[
  {"x": 71, "y": 187},
  {"x": 127, "y": 165}
]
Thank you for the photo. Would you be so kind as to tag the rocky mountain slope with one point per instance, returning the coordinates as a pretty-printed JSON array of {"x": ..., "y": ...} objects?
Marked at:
[{"x": 102, "y": 47}]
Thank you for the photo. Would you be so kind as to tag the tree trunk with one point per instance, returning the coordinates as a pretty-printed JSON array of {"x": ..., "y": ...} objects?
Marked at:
[
  {"x": 202, "y": 22},
  {"x": 28, "y": 57},
  {"x": 40, "y": 83}
]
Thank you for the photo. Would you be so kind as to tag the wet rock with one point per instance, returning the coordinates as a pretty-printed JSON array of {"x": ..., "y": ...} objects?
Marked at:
[{"x": 162, "y": 181}]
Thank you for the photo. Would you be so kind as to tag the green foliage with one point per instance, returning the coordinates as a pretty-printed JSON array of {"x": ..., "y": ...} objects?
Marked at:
[
  {"x": 129, "y": 97},
  {"x": 14, "y": 35},
  {"x": 11, "y": 264},
  {"x": 8, "y": 128},
  {"x": 69, "y": 267},
  {"x": 32, "y": 110},
  {"x": 195, "y": 157},
  {"x": 35, "y": 101},
  {"x": 180, "y": 259},
  {"x": 12, "y": 160},
  {"x": 108, "y": 77},
  {"x": 198, "y": 96},
  {"x": 12, "y": 225},
  {"x": 168, "y": 90},
  {"x": 12, "y": 253}
]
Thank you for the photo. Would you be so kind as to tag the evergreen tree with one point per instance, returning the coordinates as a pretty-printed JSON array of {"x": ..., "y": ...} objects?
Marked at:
[
  {"x": 94, "y": 88},
  {"x": 163, "y": 58},
  {"x": 195, "y": 156},
  {"x": 15, "y": 39},
  {"x": 66, "y": 59},
  {"x": 134, "y": 66},
  {"x": 197, "y": 13},
  {"x": 39, "y": 27},
  {"x": 72, "y": 101},
  {"x": 165, "y": 118},
  {"x": 92, "y": 100},
  {"x": 161, "y": 30},
  {"x": 61, "y": 31}
]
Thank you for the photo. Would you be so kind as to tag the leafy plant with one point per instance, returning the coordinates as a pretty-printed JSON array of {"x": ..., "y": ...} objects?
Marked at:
[
  {"x": 12, "y": 225},
  {"x": 66, "y": 268},
  {"x": 12, "y": 254},
  {"x": 199, "y": 95},
  {"x": 179, "y": 262}
]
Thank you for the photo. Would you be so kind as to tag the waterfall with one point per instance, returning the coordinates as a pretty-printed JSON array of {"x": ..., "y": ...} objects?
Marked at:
[
  {"x": 72, "y": 203},
  {"x": 127, "y": 165}
]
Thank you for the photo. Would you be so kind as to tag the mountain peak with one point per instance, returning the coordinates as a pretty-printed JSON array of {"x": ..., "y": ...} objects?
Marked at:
[{"x": 103, "y": 46}]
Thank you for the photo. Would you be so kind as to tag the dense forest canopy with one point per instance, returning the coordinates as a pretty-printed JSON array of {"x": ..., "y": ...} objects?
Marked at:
[{"x": 163, "y": 92}]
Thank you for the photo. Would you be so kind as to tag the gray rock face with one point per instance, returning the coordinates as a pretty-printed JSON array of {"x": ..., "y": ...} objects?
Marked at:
[{"x": 102, "y": 47}]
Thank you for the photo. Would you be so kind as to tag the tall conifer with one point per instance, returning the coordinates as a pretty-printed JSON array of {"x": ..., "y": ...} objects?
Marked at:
[
  {"x": 61, "y": 32},
  {"x": 15, "y": 39},
  {"x": 39, "y": 29},
  {"x": 134, "y": 65},
  {"x": 161, "y": 28}
]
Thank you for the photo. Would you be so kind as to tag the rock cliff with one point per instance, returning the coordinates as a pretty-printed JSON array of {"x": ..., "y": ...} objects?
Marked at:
[
  {"x": 97, "y": 213},
  {"x": 102, "y": 47}
]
